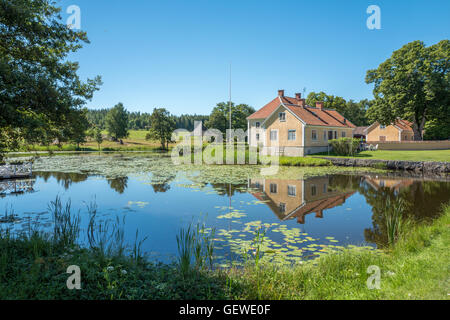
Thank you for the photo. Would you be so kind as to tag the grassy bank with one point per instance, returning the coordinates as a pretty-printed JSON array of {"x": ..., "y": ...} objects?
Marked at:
[
  {"x": 407, "y": 155},
  {"x": 134, "y": 142},
  {"x": 34, "y": 265}
]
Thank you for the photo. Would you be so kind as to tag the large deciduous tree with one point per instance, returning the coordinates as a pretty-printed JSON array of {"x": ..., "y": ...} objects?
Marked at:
[
  {"x": 117, "y": 122},
  {"x": 352, "y": 110},
  {"x": 162, "y": 124},
  {"x": 220, "y": 116},
  {"x": 412, "y": 84},
  {"x": 40, "y": 91}
]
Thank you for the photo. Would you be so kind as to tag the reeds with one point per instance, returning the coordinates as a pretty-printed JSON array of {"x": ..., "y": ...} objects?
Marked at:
[{"x": 195, "y": 248}]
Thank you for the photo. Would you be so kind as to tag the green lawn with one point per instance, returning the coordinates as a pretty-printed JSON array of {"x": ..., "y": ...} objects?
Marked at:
[{"x": 419, "y": 155}]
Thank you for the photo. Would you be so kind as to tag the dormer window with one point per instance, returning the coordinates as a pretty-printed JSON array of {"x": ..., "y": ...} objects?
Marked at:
[{"x": 282, "y": 116}]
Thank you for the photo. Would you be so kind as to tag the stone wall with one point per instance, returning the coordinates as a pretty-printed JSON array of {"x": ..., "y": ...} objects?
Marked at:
[{"x": 424, "y": 167}]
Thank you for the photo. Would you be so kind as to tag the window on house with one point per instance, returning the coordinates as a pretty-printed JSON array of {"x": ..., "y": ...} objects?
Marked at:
[
  {"x": 257, "y": 185},
  {"x": 324, "y": 136},
  {"x": 314, "y": 134},
  {"x": 335, "y": 134},
  {"x": 273, "y": 188},
  {"x": 257, "y": 137},
  {"x": 273, "y": 135},
  {"x": 282, "y": 207},
  {"x": 291, "y": 135},
  {"x": 282, "y": 116},
  {"x": 382, "y": 127},
  {"x": 343, "y": 134},
  {"x": 313, "y": 190},
  {"x": 292, "y": 191},
  {"x": 325, "y": 188},
  {"x": 382, "y": 138},
  {"x": 258, "y": 125},
  {"x": 330, "y": 135},
  {"x": 406, "y": 138}
]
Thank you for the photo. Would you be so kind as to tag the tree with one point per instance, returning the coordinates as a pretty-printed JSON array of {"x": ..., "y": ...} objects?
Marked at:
[
  {"x": 40, "y": 93},
  {"x": 330, "y": 102},
  {"x": 117, "y": 122},
  {"x": 98, "y": 137},
  {"x": 162, "y": 126},
  {"x": 76, "y": 133},
  {"x": 353, "y": 111},
  {"x": 220, "y": 116},
  {"x": 412, "y": 84}
]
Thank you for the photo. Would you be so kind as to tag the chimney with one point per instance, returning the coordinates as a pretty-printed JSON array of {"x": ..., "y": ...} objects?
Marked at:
[
  {"x": 298, "y": 96},
  {"x": 302, "y": 102},
  {"x": 281, "y": 93},
  {"x": 319, "y": 105}
]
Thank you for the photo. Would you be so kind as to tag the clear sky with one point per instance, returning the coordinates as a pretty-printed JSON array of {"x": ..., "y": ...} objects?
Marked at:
[{"x": 176, "y": 54}]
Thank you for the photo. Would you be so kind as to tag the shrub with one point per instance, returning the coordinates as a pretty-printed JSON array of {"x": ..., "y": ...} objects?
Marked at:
[{"x": 345, "y": 146}]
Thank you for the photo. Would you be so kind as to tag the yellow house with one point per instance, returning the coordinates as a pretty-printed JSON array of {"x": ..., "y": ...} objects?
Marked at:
[
  {"x": 400, "y": 130},
  {"x": 287, "y": 126}
]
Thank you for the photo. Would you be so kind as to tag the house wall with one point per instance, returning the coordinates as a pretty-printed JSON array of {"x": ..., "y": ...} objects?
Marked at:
[
  {"x": 254, "y": 131},
  {"x": 287, "y": 147},
  {"x": 321, "y": 143},
  {"x": 390, "y": 132}
]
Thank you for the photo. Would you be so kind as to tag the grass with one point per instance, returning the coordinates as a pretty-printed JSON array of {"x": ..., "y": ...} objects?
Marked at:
[
  {"x": 33, "y": 266},
  {"x": 416, "y": 267},
  {"x": 407, "y": 155},
  {"x": 134, "y": 142}
]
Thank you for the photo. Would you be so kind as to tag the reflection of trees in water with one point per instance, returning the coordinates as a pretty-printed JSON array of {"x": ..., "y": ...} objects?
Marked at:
[
  {"x": 63, "y": 178},
  {"x": 118, "y": 184},
  {"x": 423, "y": 199},
  {"x": 161, "y": 183},
  {"x": 229, "y": 190}
]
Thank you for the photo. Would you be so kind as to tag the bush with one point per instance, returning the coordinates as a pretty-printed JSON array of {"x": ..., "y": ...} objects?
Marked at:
[{"x": 345, "y": 146}]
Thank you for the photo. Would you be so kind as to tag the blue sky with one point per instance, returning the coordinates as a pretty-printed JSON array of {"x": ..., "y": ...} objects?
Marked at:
[{"x": 176, "y": 54}]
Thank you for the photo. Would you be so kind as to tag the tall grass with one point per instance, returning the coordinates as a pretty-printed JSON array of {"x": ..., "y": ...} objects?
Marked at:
[
  {"x": 66, "y": 226},
  {"x": 395, "y": 222},
  {"x": 195, "y": 248}
]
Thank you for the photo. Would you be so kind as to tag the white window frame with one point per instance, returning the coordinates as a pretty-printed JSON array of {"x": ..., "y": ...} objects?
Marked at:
[
  {"x": 258, "y": 124},
  {"x": 282, "y": 118},
  {"x": 314, "y": 133},
  {"x": 295, "y": 134},
  {"x": 293, "y": 188},
  {"x": 275, "y": 188},
  {"x": 276, "y": 135}
]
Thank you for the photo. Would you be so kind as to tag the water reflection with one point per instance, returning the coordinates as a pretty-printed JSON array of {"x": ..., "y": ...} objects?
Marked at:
[
  {"x": 289, "y": 201},
  {"x": 16, "y": 187},
  {"x": 295, "y": 199}
]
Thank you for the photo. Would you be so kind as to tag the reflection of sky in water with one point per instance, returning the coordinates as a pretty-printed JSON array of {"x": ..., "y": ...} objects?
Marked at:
[{"x": 160, "y": 215}]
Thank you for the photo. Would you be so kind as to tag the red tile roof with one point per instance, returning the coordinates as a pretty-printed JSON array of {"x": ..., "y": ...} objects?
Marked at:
[
  {"x": 310, "y": 115},
  {"x": 404, "y": 124}
]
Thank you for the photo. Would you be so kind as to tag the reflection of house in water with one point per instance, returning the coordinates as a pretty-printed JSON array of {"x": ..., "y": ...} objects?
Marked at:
[
  {"x": 392, "y": 183},
  {"x": 15, "y": 187},
  {"x": 290, "y": 199}
]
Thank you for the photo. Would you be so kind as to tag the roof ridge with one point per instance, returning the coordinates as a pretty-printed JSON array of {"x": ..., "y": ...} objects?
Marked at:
[
  {"x": 314, "y": 114},
  {"x": 335, "y": 117}
]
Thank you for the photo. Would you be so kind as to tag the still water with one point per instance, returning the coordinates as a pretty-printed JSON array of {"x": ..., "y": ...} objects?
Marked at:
[{"x": 300, "y": 216}]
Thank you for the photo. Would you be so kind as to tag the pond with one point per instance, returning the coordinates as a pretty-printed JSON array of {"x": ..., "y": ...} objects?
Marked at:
[{"x": 302, "y": 212}]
